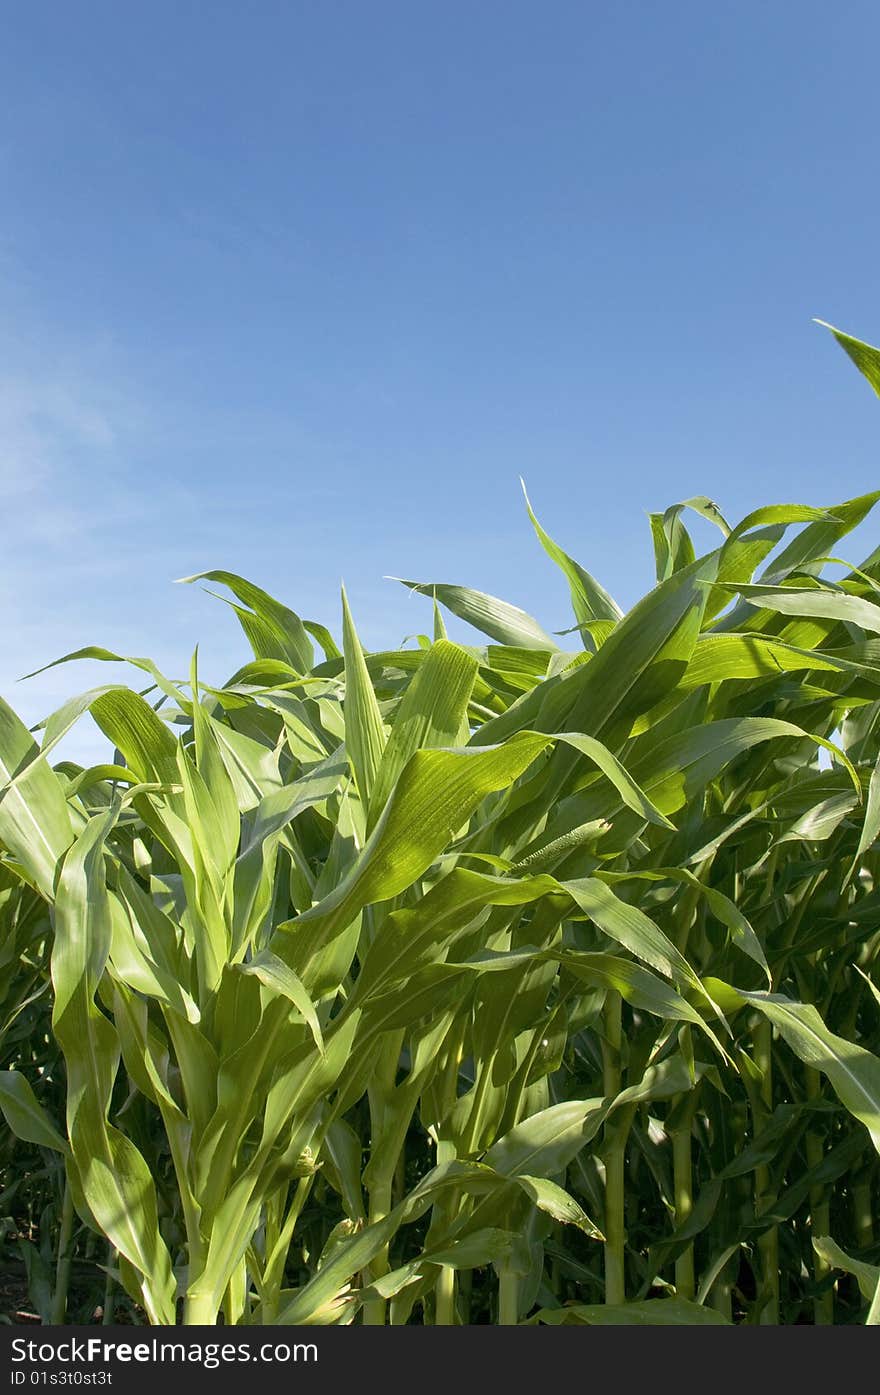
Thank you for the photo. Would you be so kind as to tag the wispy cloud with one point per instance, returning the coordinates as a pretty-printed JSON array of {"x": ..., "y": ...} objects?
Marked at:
[
  {"x": 52, "y": 421},
  {"x": 100, "y": 518}
]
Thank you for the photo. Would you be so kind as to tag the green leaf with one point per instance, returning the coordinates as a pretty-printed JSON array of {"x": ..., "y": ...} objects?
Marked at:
[
  {"x": 631, "y": 928},
  {"x": 815, "y": 601},
  {"x": 97, "y": 653},
  {"x": 364, "y": 729},
  {"x": 653, "y": 1312},
  {"x": 142, "y": 737},
  {"x": 431, "y": 714},
  {"x": 590, "y": 601},
  {"x": 35, "y": 822},
  {"x": 113, "y": 1176},
  {"x": 640, "y": 662},
  {"x": 282, "y": 628},
  {"x": 871, "y": 822},
  {"x": 433, "y": 798},
  {"x": 868, "y": 1275},
  {"x": 722, "y": 657},
  {"x": 498, "y": 619},
  {"x": 673, "y": 548},
  {"x": 330, "y": 1284},
  {"x": 635, "y": 985},
  {"x": 472, "y": 1251},
  {"x": 853, "y": 1072},
  {"x": 280, "y": 978},
  {"x": 675, "y": 770},
  {"x": 865, "y": 357},
  {"x": 545, "y": 1144},
  {"x": 818, "y": 538},
  {"x": 25, "y": 1116},
  {"x": 556, "y": 1202},
  {"x": 632, "y": 795},
  {"x": 724, "y": 910}
]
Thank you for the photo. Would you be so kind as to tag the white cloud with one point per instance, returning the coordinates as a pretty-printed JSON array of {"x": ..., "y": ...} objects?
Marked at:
[
  {"x": 68, "y": 500},
  {"x": 99, "y": 520}
]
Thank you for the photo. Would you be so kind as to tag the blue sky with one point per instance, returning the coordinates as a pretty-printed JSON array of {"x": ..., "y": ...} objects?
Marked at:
[{"x": 300, "y": 290}]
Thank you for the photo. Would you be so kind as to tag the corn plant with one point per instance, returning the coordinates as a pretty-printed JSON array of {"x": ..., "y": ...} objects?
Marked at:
[{"x": 531, "y": 980}]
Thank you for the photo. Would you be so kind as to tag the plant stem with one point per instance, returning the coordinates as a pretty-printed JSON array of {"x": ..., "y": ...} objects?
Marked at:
[
  {"x": 682, "y": 1143},
  {"x": 444, "y": 1293},
  {"x": 682, "y": 1168},
  {"x": 380, "y": 1205},
  {"x": 768, "y": 1242},
  {"x": 235, "y": 1297},
  {"x": 862, "y": 1214},
  {"x": 721, "y": 1296},
  {"x": 273, "y": 1273},
  {"x": 109, "y": 1289},
  {"x": 381, "y": 1094},
  {"x": 685, "y": 915},
  {"x": 820, "y": 1214},
  {"x": 508, "y": 1298},
  {"x": 615, "y": 1142},
  {"x": 400, "y": 1174},
  {"x": 200, "y": 1310},
  {"x": 721, "y": 1293},
  {"x": 465, "y": 1289},
  {"x": 65, "y": 1255},
  {"x": 444, "y": 1298}
]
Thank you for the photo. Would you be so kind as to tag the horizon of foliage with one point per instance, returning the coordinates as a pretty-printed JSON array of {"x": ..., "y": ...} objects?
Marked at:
[{"x": 526, "y": 981}]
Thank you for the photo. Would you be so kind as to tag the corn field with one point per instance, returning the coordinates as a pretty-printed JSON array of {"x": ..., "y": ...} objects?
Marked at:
[{"x": 533, "y": 981}]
